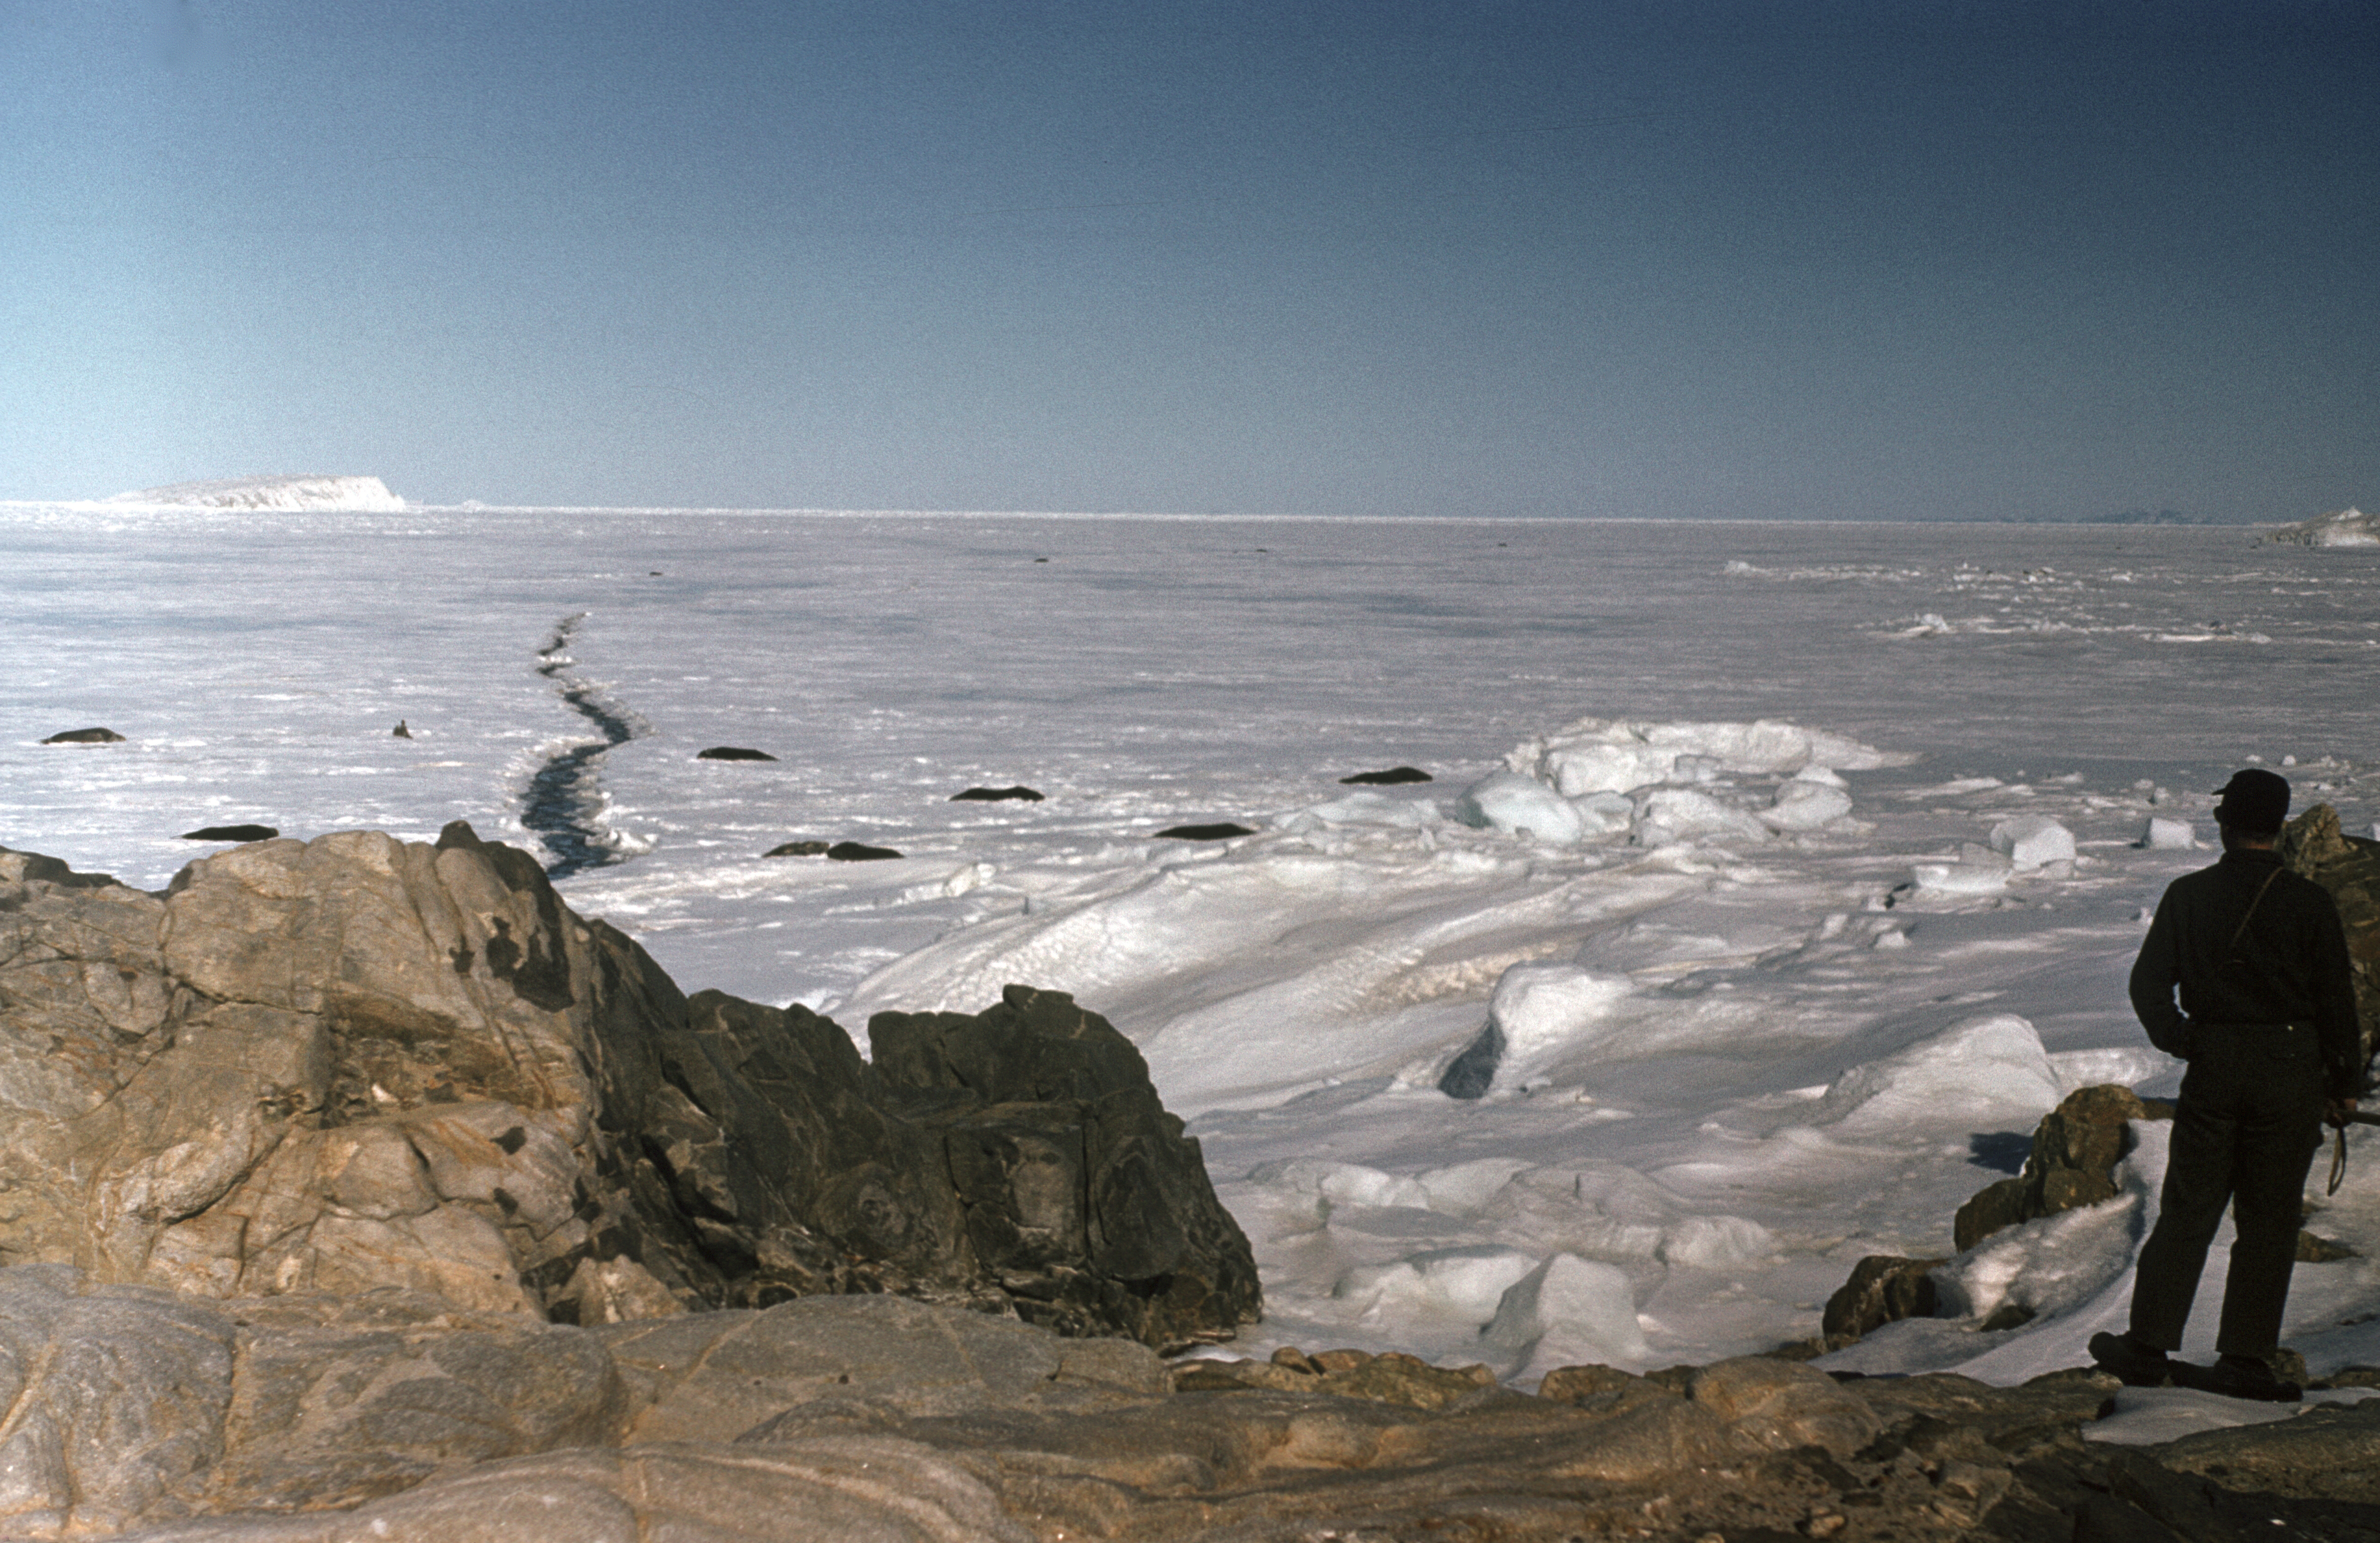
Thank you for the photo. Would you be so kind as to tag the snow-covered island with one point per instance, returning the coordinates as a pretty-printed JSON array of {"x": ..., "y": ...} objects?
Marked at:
[
  {"x": 368, "y": 495},
  {"x": 2341, "y": 528}
]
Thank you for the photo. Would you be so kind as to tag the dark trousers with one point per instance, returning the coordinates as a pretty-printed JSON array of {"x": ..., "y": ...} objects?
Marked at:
[{"x": 2245, "y": 1135}]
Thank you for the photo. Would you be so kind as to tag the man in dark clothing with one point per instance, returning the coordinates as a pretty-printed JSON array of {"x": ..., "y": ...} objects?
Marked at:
[{"x": 2266, "y": 1022}]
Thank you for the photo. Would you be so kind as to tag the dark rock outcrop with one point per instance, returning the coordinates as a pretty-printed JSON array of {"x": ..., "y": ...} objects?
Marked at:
[
  {"x": 85, "y": 736},
  {"x": 1394, "y": 776},
  {"x": 797, "y": 849},
  {"x": 1080, "y": 1195},
  {"x": 231, "y": 832},
  {"x": 1883, "y": 1287},
  {"x": 357, "y": 1062},
  {"x": 1220, "y": 831},
  {"x": 1473, "y": 1071},
  {"x": 2348, "y": 867},
  {"x": 860, "y": 852},
  {"x": 996, "y": 795},
  {"x": 2072, "y": 1164},
  {"x": 732, "y": 752}
]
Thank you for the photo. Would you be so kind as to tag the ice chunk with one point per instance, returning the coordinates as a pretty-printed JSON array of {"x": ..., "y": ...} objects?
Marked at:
[
  {"x": 1467, "y": 1284},
  {"x": 1568, "y": 1311},
  {"x": 1464, "y": 1188},
  {"x": 1337, "y": 1184},
  {"x": 1596, "y": 755},
  {"x": 1544, "y": 1010},
  {"x": 1508, "y": 801},
  {"x": 2126, "y": 1064},
  {"x": 2166, "y": 836},
  {"x": 2031, "y": 840},
  {"x": 1978, "y": 1075},
  {"x": 1722, "y": 1242},
  {"x": 1682, "y": 814},
  {"x": 1605, "y": 813},
  {"x": 1806, "y": 806}
]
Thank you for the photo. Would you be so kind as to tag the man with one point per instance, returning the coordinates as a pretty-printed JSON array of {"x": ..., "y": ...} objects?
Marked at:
[{"x": 2266, "y": 1022}]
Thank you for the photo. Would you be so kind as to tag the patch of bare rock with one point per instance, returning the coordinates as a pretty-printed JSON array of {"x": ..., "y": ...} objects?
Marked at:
[{"x": 397, "y": 1415}]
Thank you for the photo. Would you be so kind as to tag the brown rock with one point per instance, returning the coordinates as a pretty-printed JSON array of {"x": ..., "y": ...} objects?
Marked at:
[
  {"x": 2075, "y": 1150},
  {"x": 1781, "y": 1404},
  {"x": 355, "y": 1063},
  {"x": 1883, "y": 1288},
  {"x": 2348, "y": 867}
]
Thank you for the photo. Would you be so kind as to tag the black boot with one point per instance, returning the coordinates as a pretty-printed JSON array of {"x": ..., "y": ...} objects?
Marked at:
[
  {"x": 2237, "y": 1377},
  {"x": 2138, "y": 1365}
]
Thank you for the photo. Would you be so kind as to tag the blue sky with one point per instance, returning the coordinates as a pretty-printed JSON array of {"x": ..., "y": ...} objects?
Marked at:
[{"x": 1670, "y": 258}]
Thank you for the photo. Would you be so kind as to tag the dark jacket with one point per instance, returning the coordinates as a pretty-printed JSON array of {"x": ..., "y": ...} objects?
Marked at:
[{"x": 2288, "y": 966}]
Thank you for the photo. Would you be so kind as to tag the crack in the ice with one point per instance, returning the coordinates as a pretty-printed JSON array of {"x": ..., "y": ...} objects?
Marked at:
[{"x": 565, "y": 802}]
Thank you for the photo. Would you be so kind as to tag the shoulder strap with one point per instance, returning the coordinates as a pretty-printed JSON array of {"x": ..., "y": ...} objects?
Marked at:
[{"x": 2242, "y": 930}]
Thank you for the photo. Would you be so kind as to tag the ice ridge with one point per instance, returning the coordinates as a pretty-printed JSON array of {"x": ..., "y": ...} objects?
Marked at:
[{"x": 357, "y": 494}]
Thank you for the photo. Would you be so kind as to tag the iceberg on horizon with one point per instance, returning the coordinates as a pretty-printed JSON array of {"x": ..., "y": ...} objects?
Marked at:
[
  {"x": 361, "y": 494},
  {"x": 2341, "y": 528}
]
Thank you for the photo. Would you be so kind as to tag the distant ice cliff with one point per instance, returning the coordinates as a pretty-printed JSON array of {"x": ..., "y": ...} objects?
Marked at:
[
  {"x": 2345, "y": 528},
  {"x": 364, "y": 495}
]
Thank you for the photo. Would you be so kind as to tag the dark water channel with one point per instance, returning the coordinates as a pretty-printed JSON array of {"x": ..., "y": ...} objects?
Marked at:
[{"x": 564, "y": 798}]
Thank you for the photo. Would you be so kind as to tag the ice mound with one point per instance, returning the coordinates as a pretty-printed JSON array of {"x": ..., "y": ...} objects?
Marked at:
[
  {"x": 1568, "y": 1311},
  {"x": 1323, "y": 1184},
  {"x": 1686, "y": 814},
  {"x": 1596, "y": 755},
  {"x": 1805, "y": 802},
  {"x": 2166, "y": 836},
  {"x": 1543, "y": 1010},
  {"x": 2032, "y": 841},
  {"x": 2340, "y": 528},
  {"x": 1520, "y": 805},
  {"x": 1982, "y": 1073},
  {"x": 1465, "y": 1285},
  {"x": 356, "y": 494}
]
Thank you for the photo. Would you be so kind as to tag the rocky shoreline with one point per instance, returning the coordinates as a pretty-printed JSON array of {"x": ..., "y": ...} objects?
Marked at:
[
  {"x": 393, "y": 1414},
  {"x": 356, "y": 1189}
]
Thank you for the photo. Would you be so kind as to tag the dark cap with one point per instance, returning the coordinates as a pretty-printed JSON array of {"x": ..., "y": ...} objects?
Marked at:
[{"x": 2255, "y": 803}]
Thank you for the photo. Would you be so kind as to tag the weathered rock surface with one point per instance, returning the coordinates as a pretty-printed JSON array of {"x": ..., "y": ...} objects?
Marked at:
[
  {"x": 2348, "y": 867},
  {"x": 393, "y": 1415},
  {"x": 1883, "y": 1289},
  {"x": 2072, "y": 1163},
  {"x": 357, "y": 1063}
]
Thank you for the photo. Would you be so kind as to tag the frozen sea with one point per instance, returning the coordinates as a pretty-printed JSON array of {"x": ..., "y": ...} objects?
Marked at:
[{"x": 1743, "y": 1047}]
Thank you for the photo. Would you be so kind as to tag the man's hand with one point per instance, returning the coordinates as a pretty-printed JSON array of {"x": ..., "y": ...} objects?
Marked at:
[{"x": 2337, "y": 1111}]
